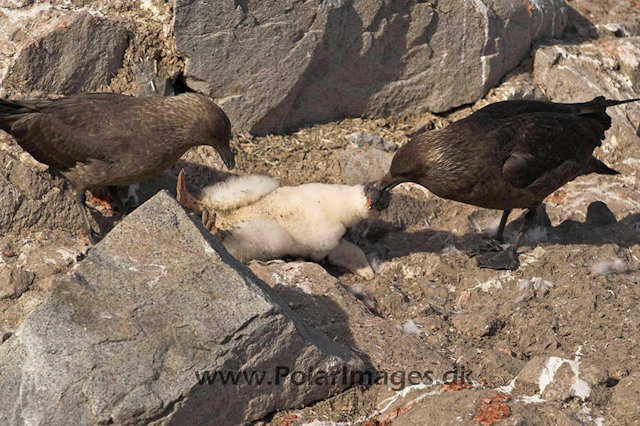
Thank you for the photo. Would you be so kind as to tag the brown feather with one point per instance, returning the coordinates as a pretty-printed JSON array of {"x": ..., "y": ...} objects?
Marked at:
[
  {"x": 507, "y": 155},
  {"x": 107, "y": 139}
]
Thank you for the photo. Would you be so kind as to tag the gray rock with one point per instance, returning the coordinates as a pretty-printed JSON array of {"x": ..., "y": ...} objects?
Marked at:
[
  {"x": 528, "y": 380},
  {"x": 359, "y": 165},
  {"x": 598, "y": 19},
  {"x": 33, "y": 200},
  {"x": 560, "y": 389},
  {"x": 594, "y": 374},
  {"x": 14, "y": 282},
  {"x": 627, "y": 53},
  {"x": 545, "y": 414},
  {"x": 554, "y": 379},
  {"x": 598, "y": 213},
  {"x": 471, "y": 407},
  {"x": 577, "y": 73},
  {"x": 626, "y": 400},
  {"x": 343, "y": 313},
  {"x": 158, "y": 301},
  {"x": 599, "y": 380},
  {"x": 367, "y": 139},
  {"x": 277, "y": 65},
  {"x": 478, "y": 325},
  {"x": 80, "y": 54},
  {"x": 407, "y": 210},
  {"x": 612, "y": 29},
  {"x": 515, "y": 86},
  {"x": 148, "y": 83},
  {"x": 51, "y": 252},
  {"x": 153, "y": 86},
  {"x": 16, "y": 4}
]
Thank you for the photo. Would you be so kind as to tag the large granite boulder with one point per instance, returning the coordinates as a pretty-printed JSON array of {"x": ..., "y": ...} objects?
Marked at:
[
  {"x": 77, "y": 52},
  {"x": 32, "y": 199},
  {"x": 275, "y": 65},
  {"x": 127, "y": 336}
]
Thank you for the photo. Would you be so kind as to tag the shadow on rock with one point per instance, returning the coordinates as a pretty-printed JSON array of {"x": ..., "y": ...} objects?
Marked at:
[
  {"x": 623, "y": 233},
  {"x": 323, "y": 314},
  {"x": 411, "y": 231}
]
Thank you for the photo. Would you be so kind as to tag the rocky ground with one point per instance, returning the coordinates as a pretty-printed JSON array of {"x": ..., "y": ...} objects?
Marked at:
[{"x": 555, "y": 342}]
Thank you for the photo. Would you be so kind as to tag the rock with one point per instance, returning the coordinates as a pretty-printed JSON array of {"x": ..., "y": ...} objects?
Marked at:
[
  {"x": 626, "y": 400},
  {"x": 593, "y": 374},
  {"x": 79, "y": 54},
  {"x": 627, "y": 54},
  {"x": 360, "y": 165},
  {"x": 516, "y": 86},
  {"x": 528, "y": 380},
  {"x": 429, "y": 407},
  {"x": 598, "y": 213},
  {"x": 599, "y": 380},
  {"x": 275, "y": 66},
  {"x": 611, "y": 14},
  {"x": 362, "y": 138},
  {"x": 33, "y": 200},
  {"x": 14, "y": 282},
  {"x": 560, "y": 389},
  {"x": 552, "y": 378},
  {"x": 579, "y": 27},
  {"x": 612, "y": 29},
  {"x": 544, "y": 414},
  {"x": 324, "y": 303},
  {"x": 57, "y": 254},
  {"x": 148, "y": 83},
  {"x": 577, "y": 73},
  {"x": 498, "y": 366},
  {"x": 153, "y": 86},
  {"x": 478, "y": 325},
  {"x": 16, "y": 4},
  {"x": 449, "y": 408},
  {"x": 124, "y": 337}
]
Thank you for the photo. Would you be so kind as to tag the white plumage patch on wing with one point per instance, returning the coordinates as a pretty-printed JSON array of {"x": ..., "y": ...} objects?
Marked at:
[{"x": 238, "y": 191}]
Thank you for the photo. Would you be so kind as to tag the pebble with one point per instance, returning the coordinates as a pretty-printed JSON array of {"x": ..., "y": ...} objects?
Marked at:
[{"x": 14, "y": 282}]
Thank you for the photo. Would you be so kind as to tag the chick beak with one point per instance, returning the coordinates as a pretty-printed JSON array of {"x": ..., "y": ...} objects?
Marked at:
[{"x": 369, "y": 204}]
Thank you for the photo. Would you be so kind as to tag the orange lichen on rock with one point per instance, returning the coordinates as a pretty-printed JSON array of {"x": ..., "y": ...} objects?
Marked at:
[
  {"x": 456, "y": 386},
  {"x": 529, "y": 8},
  {"x": 287, "y": 420},
  {"x": 558, "y": 197},
  {"x": 492, "y": 409},
  {"x": 374, "y": 422}
]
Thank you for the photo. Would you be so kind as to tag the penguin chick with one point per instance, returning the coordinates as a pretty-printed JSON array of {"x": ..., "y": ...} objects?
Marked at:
[{"x": 260, "y": 220}]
